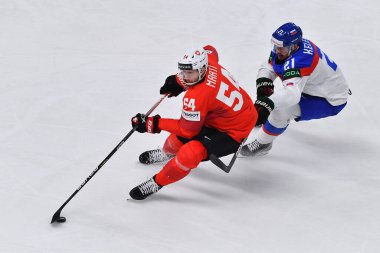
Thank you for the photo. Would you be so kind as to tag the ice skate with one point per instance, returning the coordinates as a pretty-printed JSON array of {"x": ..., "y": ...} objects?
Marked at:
[
  {"x": 154, "y": 156},
  {"x": 255, "y": 148},
  {"x": 145, "y": 189}
]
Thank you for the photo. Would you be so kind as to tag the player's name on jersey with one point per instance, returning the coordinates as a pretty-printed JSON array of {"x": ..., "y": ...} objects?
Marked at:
[
  {"x": 307, "y": 47},
  {"x": 212, "y": 76}
]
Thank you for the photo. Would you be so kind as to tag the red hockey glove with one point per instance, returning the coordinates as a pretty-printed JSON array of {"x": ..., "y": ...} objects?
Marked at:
[
  {"x": 264, "y": 87},
  {"x": 171, "y": 87},
  {"x": 264, "y": 106},
  {"x": 144, "y": 125}
]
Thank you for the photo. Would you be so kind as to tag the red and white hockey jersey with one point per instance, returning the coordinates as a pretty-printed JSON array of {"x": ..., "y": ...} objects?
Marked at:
[{"x": 217, "y": 102}]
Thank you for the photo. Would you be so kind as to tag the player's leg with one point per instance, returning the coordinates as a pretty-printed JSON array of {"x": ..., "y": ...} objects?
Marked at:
[
  {"x": 317, "y": 108},
  {"x": 309, "y": 108},
  {"x": 170, "y": 148},
  {"x": 172, "y": 144},
  {"x": 187, "y": 158},
  {"x": 276, "y": 124}
]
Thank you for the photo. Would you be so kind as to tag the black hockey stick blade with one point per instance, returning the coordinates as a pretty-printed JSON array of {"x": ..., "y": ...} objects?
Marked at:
[
  {"x": 215, "y": 160},
  {"x": 220, "y": 164},
  {"x": 56, "y": 216}
]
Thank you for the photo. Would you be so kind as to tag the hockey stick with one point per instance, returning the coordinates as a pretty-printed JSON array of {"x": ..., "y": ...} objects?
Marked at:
[
  {"x": 57, "y": 215},
  {"x": 226, "y": 168}
]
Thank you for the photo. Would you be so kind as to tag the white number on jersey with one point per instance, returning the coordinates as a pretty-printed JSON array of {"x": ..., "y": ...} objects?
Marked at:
[
  {"x": 229, "y": 101},
  {"x": 189, "y": 103},
  {"x": 286, "y": 65}
]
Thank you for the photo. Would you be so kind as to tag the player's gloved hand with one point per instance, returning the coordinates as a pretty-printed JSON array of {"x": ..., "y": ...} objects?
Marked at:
[
  {"x": 144, "y": 124},
  {"x": 264, "y": 106},
  {"x": 264, "y": 87},
  {"x": 171, "y": 87}
]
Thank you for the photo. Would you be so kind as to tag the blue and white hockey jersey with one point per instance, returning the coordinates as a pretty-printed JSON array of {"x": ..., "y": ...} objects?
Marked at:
[{"x": 309, "y": 70}]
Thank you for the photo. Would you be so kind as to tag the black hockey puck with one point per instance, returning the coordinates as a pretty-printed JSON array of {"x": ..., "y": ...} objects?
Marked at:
[{"x": 61, "y": 219}]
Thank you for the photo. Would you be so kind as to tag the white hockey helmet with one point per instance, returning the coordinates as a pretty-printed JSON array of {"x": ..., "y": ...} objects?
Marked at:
[{"x": 194, "y": 59}]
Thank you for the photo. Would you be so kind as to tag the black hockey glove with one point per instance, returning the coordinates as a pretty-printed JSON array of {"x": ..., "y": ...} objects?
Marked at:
[
  {"x": 264, "y": 106},
  {"x": 171, "y": 87},
  {"x": 144, "y": 125},
  {"x": 264, "y": 87}
]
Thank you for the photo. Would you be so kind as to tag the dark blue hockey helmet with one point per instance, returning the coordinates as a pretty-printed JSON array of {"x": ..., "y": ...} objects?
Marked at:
[{"x": 286, "y": 35}]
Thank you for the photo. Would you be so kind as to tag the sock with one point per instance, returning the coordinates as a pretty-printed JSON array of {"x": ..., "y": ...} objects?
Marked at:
[{"x": 170, "y": 173}]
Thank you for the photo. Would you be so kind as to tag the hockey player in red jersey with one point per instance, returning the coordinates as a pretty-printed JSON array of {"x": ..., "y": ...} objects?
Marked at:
[{"x": 217, "y": 114}]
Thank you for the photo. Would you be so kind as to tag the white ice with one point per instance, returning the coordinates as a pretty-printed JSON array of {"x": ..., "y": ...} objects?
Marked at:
[{"x": 73, "y": 73}]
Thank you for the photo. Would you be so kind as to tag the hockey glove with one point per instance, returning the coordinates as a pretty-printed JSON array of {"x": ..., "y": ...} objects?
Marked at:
[
  {"x": 264, "y": 87},
  {"x": 264, "y": 106},
  {"x": 171, "y": 87},
  {"x": 144, "y": 125}
]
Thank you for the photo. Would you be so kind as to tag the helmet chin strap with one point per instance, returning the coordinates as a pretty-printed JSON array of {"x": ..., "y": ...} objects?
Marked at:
[{"x": 290, "y": 50}]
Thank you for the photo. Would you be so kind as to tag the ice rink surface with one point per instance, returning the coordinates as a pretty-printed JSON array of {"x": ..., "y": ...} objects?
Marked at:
[{"x": 74, "y": 72}]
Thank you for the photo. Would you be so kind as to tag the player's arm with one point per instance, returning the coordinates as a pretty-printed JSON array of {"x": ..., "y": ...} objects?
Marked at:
[
  {"x": 266, "y": 71},
  {"x": 290, "y": 93},
  {"x": 155, "y": 124},
  {"x": 287, "y": 96},
  {"x": 264, "y": 81},
  {"x": 180, "y": 127}
]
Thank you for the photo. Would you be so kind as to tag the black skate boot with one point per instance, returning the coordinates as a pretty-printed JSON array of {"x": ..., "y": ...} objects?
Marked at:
[
  {"x": 154, "y": 156},
  {"x": 145, "y": 189},
  {"x": 255, "y": 149}
]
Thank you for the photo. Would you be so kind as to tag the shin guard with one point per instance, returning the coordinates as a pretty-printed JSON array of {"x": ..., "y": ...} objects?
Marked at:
[{"x": 187, "y": 158}]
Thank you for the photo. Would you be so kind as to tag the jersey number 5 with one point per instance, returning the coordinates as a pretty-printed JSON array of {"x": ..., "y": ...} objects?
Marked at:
[{"x": 229, "y": 101}]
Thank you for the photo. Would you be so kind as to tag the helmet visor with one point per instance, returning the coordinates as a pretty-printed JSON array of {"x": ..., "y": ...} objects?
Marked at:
[{"x": 282, "y": 50}]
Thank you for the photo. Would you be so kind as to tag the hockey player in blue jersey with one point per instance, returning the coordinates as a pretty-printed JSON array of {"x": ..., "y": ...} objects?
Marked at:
[{"x": 313, "y": 87}]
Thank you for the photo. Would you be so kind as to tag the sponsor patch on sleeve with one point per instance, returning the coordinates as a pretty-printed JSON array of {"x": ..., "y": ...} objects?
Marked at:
[
  {"x": 191, "y": 116},
  {"x": 290, "y": 73}
]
